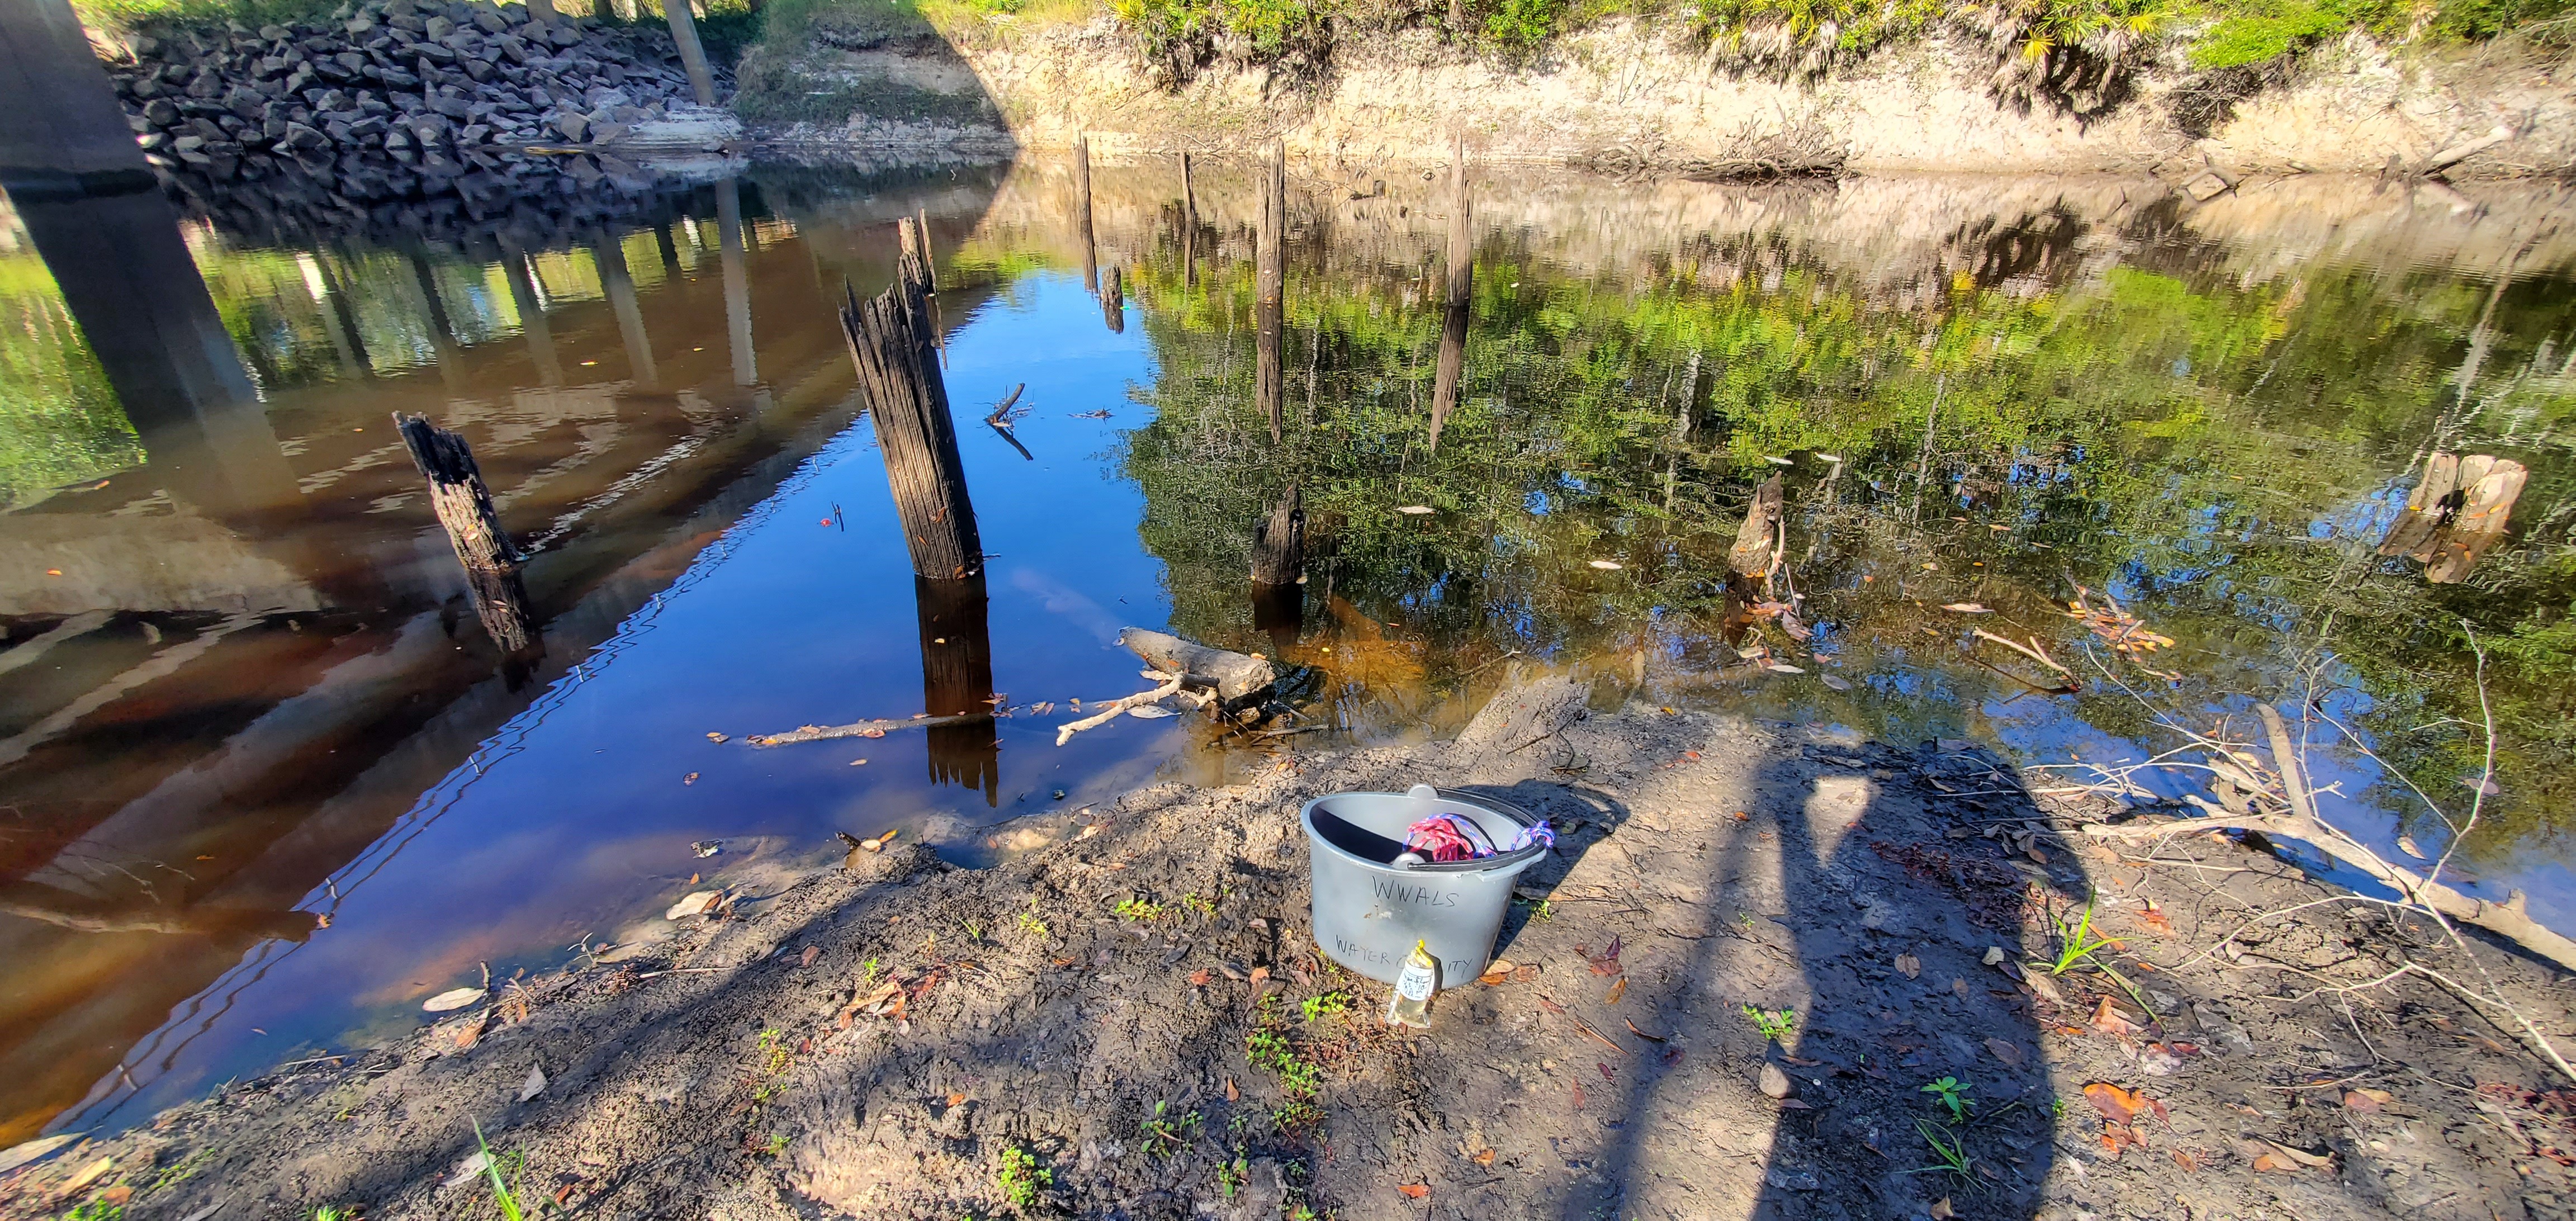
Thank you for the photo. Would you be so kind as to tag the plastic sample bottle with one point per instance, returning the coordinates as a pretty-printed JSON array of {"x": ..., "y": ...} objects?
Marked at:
[{"x": 1411, "y": 1004}]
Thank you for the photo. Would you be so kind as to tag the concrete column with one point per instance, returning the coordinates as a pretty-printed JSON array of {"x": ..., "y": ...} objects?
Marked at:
[
  {"x": 693, "y": 54},
  {"x": 737, "y": 281},
  {"x": 620, "y": 287}
]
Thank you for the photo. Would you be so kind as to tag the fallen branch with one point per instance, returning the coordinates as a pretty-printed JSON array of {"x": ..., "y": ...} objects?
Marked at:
[
  {"x": 2509, "y": 919},
  {"x": 1237, "y": 678},
  {"x": 1064, "y": 733},
  {"x": 2031, "y": 653},
  {"x": 862, "y": 729}
]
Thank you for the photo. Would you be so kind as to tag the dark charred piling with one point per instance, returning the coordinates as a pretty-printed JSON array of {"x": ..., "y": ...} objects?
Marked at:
[
  {"x": 898, "y": 367},
  {"x": 464, "y": 508},
  {"x": 1460, "y": 298},
  {"x": 1279, "y": 542},
  {"x": 1269, "y": 286},
  {"x": 1113, "y": 302},
  {"x": 1189, "y": 227},
  {"x": 957, "y": 680}
]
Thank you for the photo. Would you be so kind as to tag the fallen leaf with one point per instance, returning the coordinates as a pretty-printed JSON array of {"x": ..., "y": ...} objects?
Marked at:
[
  {"x": 1606, "y": 565},
  {"x": 1413, "y": 510},
  {"x": 691, "y": 778},
  {"x": 2266, "y": 1161},
  {"x": 1151, "y": 712},
  {"x": 715, "y": 737},
  {"x": 1608, "y": 962},
  {"x": 453, "y": 998},
  {"x": 1550, "y": 1006},
  {"x": 534, "y": 1085},
  {"x": 2116, "y": 1137},
  {"x": 1672, "y": 1055},
  {"x": 1837, "y": 684},
  {"x": 2189, "y": 1164},
  {"x": 2153, "y": 920},
  {"x": 2367, "y": 1102},
  {"x": 807, "y": 958},
  {"x": 1260, "y": 973},
  {"x": 1777, "y": 667},
  {"x": 88, "y": 1174},
  {"x": 1199, "y": 978},
  {"x": 1617, "y": 990},
  {"x": 1524, "y": 973},
  {"x": 1941, "y": 1210},
  {"x": 1994, "y": 954},
  {"x": 1415, "y": 1190},
  {"x": 1966, "y": 608},
  {"x": 1606, "y": 1074},
  {"x": 1578, "y": 1095},
  {"x": 1909, "y": 966},
  {"x": 1485, "y": 1158},
  {"x": 693, "y": 905},
  {"x": 470, "y": 1169},
  {"x": 1800, "y": 1061},
  {"x": 1959, "y": 986},
  {"x": 117, "y": 1195},
  {"x": 2043, "y": 987},
  {"x": 1232, "y": 1094},
  {"x": 2006, "y": 1052},
  {"x": 1651, "y": 1038},
  {"x": 2108, "y": 1020},
  {"x": 2119, "y": 1105},
  {"x": 2298, "y": 1156}
]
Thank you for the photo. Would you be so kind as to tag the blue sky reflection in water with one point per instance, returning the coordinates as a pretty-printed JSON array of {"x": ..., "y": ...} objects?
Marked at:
[{"x": 2210, "y": 414}]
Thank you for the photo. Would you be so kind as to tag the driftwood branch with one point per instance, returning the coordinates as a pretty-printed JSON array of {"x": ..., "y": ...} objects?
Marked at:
[
  {"x": 862, "y": 729},
  {"x": 2509, "y": 919},
  {"x": 1064, "y": 733}
]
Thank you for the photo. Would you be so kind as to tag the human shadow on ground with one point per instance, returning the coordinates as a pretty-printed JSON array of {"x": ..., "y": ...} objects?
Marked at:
[{"x": 1882, "y": 921}]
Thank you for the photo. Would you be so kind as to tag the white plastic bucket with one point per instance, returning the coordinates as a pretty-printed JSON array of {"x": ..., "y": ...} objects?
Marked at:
[{"x": 1368, "y": 910}]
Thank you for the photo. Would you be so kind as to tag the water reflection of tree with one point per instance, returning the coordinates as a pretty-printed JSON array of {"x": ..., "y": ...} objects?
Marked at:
[{"x": 2220, "y": 450}]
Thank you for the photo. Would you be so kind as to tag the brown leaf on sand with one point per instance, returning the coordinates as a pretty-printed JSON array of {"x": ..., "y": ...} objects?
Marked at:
[
  {"x": 2153, "y": 920},
  {"x": 1231, "y": 1093},
  {"x": 1498, "y": 971},
  {"x": 1578, "y": 1095},
  {"x": 807, "y": 958},
  {"x": 2188, "y": 1163},
  {"x": 2119, "y": 1105},
  {"x": 2108, "y": 1020},
  {"x": 1485, "y": 1158},
  {"x": 1651, "y": 1038},
  {"x": 1617, "y": 990},
  {"x": 1259, "y": 974},
  {"x": 1941, "y": 1210},
  {"x": 1909, "y": 966},
  {"x": 2283, "y": 1157},
  {"x": 2006, "y": 1052},
  {"x": 1525, "y": 973},
  {"x": 1199, "y": 978},
  {"x": 2367, "y": 1101},
  {"x": 1608, "y": 962},
  {"x": 2117, "y": 1136},
  {"x": 1415, "y": 1190},
  {"x": 2043, "y": 987},
  {"x": 1550, "y": 1006}
]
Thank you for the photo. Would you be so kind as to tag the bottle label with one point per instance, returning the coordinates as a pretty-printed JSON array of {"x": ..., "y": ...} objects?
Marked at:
[{"x": 1414, "y": 982}]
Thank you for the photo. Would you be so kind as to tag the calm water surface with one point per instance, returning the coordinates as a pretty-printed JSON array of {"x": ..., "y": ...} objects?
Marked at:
[{"x": 243, "y": 687}]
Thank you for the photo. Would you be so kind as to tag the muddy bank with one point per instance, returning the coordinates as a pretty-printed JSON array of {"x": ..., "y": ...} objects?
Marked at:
[
  {"x": 1190, "y": 1055},
  {"x": 1632, "y": 96}
]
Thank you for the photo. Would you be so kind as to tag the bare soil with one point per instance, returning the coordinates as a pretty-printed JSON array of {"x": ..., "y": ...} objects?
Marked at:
[{"x": 1146, "y": 1064}]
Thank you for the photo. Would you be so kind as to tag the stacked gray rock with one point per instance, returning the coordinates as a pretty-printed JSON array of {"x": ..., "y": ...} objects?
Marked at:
[{"x": 471, "y": 106}]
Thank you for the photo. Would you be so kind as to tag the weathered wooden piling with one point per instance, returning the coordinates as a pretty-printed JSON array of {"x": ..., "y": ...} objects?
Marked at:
[
  {"x": 1279, "y": 542},
  {"x": 1189, "y": 227},
  {"x": 1461, "y": 297},
  {"x": 1269, "y": 286},
  {"x": 898, "y": 367},
  {"x": 1113, "y": 302},
  {"x": 464, "y": 507},
  {"x": 693, "y": 54},
  {"x": 1082, "y": 212},
  {"x": 957, "y": 681}
]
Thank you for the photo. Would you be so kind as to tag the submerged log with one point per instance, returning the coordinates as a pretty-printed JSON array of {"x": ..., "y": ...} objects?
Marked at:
[
  {"x": 1237, "y": 678},
  {"x": 2456, "y": 513},
  {"x": 464, "y": 507}
]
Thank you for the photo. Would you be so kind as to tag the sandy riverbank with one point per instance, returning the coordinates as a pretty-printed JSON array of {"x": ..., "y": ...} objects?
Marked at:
[{"x": 723, "y": 1070}]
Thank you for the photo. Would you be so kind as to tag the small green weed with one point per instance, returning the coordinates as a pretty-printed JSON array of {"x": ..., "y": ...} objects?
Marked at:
[
  {"x": 1948, "y": 1150},
  {"x": 974, "y": 931},
  {"x": 1141, "y": 910},
  {"x": 1540, "y": 910},
  {"x": 1317, "y": 1008},
  {"x": 868, "y": 973},
  {"x": 2077, "y": 942},
  {"x": 777, "y": 1144},
  {"x": 1021, "y": 1180},
  {"x": 1200, "y": 904},
  {"x": 1166, "y": 1134},
  {"x": 333, "y": 1212},
  {"x": 505, "y": 1192},
  {"x": 95, "y": 1209},
  {"x": 1301, "y": 1081},
  {"x": 1952, "y": 1093},
  {"x": 1775, "y": 1024},
  {"x": 1230, "y": 1176},
  {"x": 775, "y": 1057},
  {"x": 1030, "y": 924}
]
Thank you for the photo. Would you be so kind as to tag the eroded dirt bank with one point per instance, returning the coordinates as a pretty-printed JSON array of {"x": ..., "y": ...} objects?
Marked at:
[
  {"x": 1628, "y": 97},
  {"x": 1192, "y": 1056}
]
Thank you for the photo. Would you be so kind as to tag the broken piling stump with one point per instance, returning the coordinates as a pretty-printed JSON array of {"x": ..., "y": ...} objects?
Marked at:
[
  {"x": 1269, "y": 279},
  {"x": 892, "y": 348},
  {"x": 464, "y": 507},
  {"x": 1462, "y": 287}
]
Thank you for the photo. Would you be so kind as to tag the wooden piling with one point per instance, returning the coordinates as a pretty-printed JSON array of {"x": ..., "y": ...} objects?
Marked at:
[
  {"x": 464, "y": 507},
  {"x": 957, "y": 682},
  {"x": 1113, "y": 302},
  {"x": 1082, "y": 211},
  {"x": 1279, "y": 542},
  {"x": 1461, "y": 297},
  {"x": 898, "y": 368},
  {"x": 1189, "y": 227},
  {"x": 693, "y": 55},
  {"x": 1269, "y": 279}
]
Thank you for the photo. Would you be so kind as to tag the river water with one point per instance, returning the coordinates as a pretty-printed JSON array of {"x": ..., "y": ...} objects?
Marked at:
[{"x": 244, "y": 693}]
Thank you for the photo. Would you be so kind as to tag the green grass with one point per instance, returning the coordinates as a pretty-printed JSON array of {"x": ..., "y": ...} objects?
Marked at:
[
  {"x": 1165, "y": 1134},
  {"x": 1141, "y": 910},
  {"x": 1949, "y": 1152},
  {"x": 2077, "y": 944},
  {"x": 505, "y": 1194},
  {"x": 1953, "y": 1094},
  {"x": 1775, "y": 1024}
]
